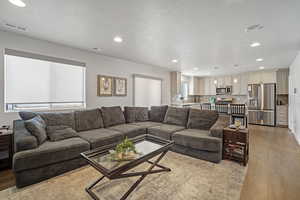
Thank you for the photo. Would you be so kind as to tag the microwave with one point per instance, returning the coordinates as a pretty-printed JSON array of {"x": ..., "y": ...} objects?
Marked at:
[{"x": 224, "y": 90}]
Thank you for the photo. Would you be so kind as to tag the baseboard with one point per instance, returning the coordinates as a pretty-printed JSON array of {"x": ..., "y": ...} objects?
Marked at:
[{"x": 297, "y": 138}]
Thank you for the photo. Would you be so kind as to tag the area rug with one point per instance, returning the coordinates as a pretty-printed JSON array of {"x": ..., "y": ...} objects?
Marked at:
[{"x": 190, "y": 179}]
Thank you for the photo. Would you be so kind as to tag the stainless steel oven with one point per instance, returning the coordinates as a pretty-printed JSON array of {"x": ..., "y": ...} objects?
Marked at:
[{"x": 224, "y": 90}]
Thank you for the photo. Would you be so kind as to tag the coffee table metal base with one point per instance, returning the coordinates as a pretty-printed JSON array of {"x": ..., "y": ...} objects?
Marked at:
[{"x": 143, "y": 174}]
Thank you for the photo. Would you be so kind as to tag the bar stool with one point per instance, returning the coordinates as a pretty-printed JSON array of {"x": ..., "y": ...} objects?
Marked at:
[
  {"x": 206, "y": 106},
  {"x": 222, "y": 108},
  {"x": 238, "y": 111}
]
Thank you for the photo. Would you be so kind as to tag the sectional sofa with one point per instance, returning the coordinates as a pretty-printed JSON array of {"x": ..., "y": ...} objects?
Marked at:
[{"x": 197, "y": 133}]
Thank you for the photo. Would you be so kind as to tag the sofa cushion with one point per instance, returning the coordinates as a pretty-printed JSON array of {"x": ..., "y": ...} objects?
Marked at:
[
  {"x": 157, "y": 113},
  {"x": 101, "y": 137},
  {"x": 112, "y": 116},
  {"x": 26, "y": 115},
  {"x": 23, "y": 139},
  {"x": 147, "y": 124},
  {"x": 136, "y": 114},
  {"x": 56, "y": 133},
  {"x": 176, "y": 116},
  {"x": 59, "y": 118},
  {"x": 49, "y": 153},
  {"x": 197, "y": 139},
  {"x": 37, "y": 127},
  {"x": 202, "y": 119},
  {"x": 164, "y": 131},
  {"x": 129, "y": 130},
  {"x": 88, "y": 119}
]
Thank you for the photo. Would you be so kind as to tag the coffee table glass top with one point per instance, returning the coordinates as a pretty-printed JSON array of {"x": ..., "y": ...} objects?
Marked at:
[{"x": 142, "y": 147}]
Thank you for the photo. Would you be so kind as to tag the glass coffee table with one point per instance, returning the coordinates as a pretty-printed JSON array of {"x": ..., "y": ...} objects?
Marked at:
[{"x": 147, "y": 146}]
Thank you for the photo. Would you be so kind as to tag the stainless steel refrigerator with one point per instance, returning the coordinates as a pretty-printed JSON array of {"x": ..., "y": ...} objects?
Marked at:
[{"x": 262, "y": 104}]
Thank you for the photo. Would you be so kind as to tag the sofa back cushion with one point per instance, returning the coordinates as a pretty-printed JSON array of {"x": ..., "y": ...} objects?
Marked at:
[
  {"x": 112, "y": 116},
  {"x": 202, "y": 119},
  {"x": 157, "y": 113},
  {"x": 136, "y": 114},
  {"x": 176, "y": 116},
  {"x": 37, "y": 127},
  {"x": 88, "y": 119},
  {"x": 59, "y": 118}
]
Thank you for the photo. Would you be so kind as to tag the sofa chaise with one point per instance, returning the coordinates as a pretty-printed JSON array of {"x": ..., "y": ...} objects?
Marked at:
[{"x": 47, "y": 144}]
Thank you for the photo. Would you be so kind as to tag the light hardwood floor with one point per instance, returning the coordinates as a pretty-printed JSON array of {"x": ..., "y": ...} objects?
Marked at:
[
  {"x": 274, "y": 165},
  {"x": 273, "y": 168}
]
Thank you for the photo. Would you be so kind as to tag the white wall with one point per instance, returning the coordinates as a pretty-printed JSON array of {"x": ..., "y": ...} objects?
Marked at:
[
  {"x": 96, "y": 64},
  {"x": 294, "y": 98}
]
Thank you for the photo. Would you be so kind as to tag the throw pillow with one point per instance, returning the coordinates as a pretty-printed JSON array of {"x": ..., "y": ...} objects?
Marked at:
[
  {"x": 37, "y": 127},
  {"x": 56, "y": 133},
  {"x": 26, "y": 115}
]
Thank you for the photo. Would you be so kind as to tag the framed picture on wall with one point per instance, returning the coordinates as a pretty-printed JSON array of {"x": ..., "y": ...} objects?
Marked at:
[
  {"x": 120, "y": 86},
  {"x": 104, "y": 85}
]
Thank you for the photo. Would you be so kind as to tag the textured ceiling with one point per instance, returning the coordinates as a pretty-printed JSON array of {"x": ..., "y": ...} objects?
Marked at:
[{"x": 201, "y": 34}]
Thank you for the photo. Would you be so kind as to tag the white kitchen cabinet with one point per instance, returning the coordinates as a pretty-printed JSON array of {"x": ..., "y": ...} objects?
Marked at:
[
  {"x": 268, "y": 76},
  {"x": 220, "y": 81},
  {"x": 244, "y": 84},
  {"x": 207, "y": 82},
  {"x": 201, "y": 86},
  {"x": 236, "y": 84},
  {"x": 282, "y": 80},
  {"x": 227, "y": 81}
]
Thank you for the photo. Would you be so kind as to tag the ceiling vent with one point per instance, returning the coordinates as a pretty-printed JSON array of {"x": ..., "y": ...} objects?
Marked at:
[
  {"x": 254, "y": 27},
  {"x": 15, "y": 27}
]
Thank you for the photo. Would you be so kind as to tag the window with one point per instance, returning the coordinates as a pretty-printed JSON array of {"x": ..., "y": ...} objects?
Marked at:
[
  {"x": 147, "y": 91},
  {"x": 34, "y": 82}
]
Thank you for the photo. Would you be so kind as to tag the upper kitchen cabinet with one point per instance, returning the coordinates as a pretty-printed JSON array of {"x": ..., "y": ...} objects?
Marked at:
[
  {"x": 282, "y": 80},
  {"x": 236, "y": 84},
  {"x": 240, "y": 84},
  {"x": 244, "y": 84},
  {"x": 175, "y": 84},
  {"x": 268, "y": 76},
  {"x": 227, "y": 81}
]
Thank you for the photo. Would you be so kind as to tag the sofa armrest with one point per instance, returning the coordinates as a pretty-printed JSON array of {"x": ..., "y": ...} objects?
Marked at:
[
  {"x": 217, "y": 129},
  {"x": 23, "y": 140}
]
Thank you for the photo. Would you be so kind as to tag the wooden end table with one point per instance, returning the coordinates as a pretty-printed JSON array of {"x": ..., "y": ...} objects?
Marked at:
[
  {"x": 6, "y": 148},
  {"x": 236, "y": 145}
]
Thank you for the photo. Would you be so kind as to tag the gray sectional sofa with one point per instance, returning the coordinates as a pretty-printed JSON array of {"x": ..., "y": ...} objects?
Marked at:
[{"x": 195, "y": 132}]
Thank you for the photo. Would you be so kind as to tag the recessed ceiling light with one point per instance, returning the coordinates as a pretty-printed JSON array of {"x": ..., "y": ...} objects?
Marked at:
[
  {"x": 18, "y": 3},
  {"x": 196, "y": 68},
  {"x": 235, "y": 80},
  {"x": 175, "y": 61},
  {"x": 259, "y": 59},
  {"x": 118, "y": 39},
  {"x": 255, "y": 44},
  {"x": 261, "y": 67}
]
